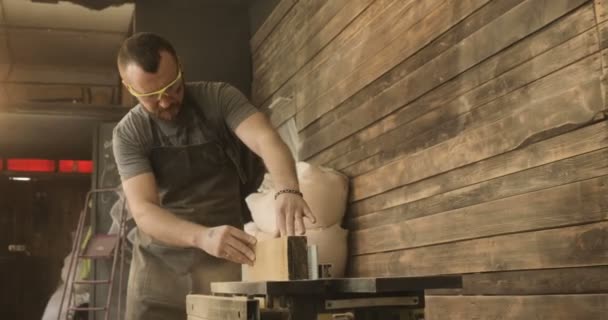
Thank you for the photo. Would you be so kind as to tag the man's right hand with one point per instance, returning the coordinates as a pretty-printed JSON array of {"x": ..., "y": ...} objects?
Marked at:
[{"x": 228, "y": 243}]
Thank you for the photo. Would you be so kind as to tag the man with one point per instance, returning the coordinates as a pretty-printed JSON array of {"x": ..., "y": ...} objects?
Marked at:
[{"x": 181, "y": 174}]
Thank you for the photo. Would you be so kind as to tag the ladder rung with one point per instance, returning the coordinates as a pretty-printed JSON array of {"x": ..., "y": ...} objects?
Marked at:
[
  {"x": 92, "y": 282},
  {"x": 87, "y": 256},
  {"x": 88, "y": 309}
]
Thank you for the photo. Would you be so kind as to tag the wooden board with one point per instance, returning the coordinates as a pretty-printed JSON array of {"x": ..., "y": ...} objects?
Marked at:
[
  {"x": 537, "y": 43},
  {"x": 559, "y": 307},
  {"x": 540, "y": 118},
  {"x": 582, "y": 167},
  {"x": 278, "y": 259},
  {"x": 571, "y": 204},
  {"x": 528, "y": 282},
  {"x": 561, "y": 147},
  {"x": 275, "y": 17},
  {"x": 584, "y": 245},
  {"x": 449, "y": 64},
  {"x": 207, "y": 307},
  {"x": 537, "y": 77}
]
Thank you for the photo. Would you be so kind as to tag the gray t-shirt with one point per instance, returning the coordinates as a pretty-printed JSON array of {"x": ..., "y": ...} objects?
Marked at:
[{"x": 133, "y": 137}]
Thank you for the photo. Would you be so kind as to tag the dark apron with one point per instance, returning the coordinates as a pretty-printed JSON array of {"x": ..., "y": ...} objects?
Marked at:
[{"x": 198, "y": 183}]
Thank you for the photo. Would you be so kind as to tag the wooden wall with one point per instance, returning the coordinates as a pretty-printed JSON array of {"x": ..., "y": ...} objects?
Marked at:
[
  {"x": 474, "y": 135},
  {"x": 40, "y": 214}
]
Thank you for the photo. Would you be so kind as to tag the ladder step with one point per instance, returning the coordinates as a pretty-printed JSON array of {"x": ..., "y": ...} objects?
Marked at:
[
  {"x": 101, "y": 246},
  {"x": 88, "y": 309},
  {"x": 92, "y": 282}
]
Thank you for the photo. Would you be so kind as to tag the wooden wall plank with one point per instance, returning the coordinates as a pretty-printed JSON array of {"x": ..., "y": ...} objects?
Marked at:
[
  {"x": 463, "y": 29},
  {"x": 539, "y": 42},
  {"x": 540, "y": 118},
  {"x": 527, "y": 282},
  {"x": 558, "y": 307},
  {"x": 445, "y": 122},
  {"x": 585, "y": 245},
  {"x": 570, "y": 170},
  {"x": 348, "y": 37},
  {"x": 352, "y": 73},
  {"x": 300, "y": 37},
  {"x": 571, "y": 204},
  {"x": 293, "y": 21},
  {"x": 275, "y": 17},
  {"x": 601, "y": 10},
  {"x": 504, "y": 31},
  {"x": 561, "y": 147},
  {"x": 284, "y": 66}
]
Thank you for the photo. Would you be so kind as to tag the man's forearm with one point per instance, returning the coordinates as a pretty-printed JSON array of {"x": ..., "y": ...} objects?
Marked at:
[
  {"x": 279, "y": 162},
  {"x": 164, "y": 226}
]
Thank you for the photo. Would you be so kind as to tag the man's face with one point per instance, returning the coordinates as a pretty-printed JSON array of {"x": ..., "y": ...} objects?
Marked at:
[{"x": 161, "y": 93}]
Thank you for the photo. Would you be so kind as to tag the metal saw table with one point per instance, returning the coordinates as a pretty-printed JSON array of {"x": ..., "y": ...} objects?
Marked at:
[{"x": 397, "y": 298}]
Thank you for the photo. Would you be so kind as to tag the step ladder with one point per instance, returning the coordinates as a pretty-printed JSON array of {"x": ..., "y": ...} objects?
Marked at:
[{"x": 98, "y": 247}]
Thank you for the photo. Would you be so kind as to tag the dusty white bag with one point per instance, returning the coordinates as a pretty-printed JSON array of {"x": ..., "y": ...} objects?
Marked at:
[
  {"x": 325, "y": 190},
  {"x": 332, "y": 245}
]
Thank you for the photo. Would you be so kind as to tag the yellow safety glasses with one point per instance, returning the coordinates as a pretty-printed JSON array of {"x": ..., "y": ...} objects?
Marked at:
[{"x": 160, "y": 93}]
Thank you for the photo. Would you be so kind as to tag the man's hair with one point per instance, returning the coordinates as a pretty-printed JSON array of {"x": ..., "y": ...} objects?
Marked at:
[{"x": 144, "y": 49}]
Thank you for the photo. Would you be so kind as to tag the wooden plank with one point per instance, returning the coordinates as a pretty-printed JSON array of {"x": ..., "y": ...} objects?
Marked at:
[
  {"x": 275, "y": 17},
  {"x": 512, "y": 87},
  {"x": 558, "y": 307},
  {"x": 226, "y": 308},
  {"x": 575, "y": 203},
  {"x": 299, "y": 37},
  {"x": 504, "y": 31},
  {"x": 539, "y": 119},
  {"x": 281, "y": 68},
  {"x": 456, "y": 34},
  {"x": 561, "y": 147},
  {"x": 333, "y": 84},
  {"x": 359, "y": 25},
  {"x": 585, "y": 245},
  {"x": 558, "y": 173},
  {"x": 528, "y": 282},
  {"x": 537, "y": 43},
  {"x": 282, "y": 258},
  {"x": 601, "y": 10},
  {"x": 293, "y": 24}
]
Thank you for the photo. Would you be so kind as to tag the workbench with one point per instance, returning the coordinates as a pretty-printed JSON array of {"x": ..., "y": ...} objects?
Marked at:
[{"x": 397, "y": 298}]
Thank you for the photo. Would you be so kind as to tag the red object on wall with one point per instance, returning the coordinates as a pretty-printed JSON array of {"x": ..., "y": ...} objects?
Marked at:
[
  {"x": 79, "y": 166},
  {"x": 30, "y": 165}
]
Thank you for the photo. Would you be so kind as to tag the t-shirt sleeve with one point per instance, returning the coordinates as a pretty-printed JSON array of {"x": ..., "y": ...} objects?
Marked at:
[
  {"x": 129, "y": 151},
  {"x": 234, "y": 105}
]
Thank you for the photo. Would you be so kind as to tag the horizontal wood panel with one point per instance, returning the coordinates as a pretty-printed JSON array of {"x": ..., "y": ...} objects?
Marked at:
[
  {"x": 527, "y": 282},
  {"x": 585, "y": 245},
  {"x": 554, "y": 174},
  {"x": 504, "y": 31},
  {"x": 479, "y": 106},
  {"x": 564, "y": 146},
  {"x": 559, "y": 307},
  {"x": 547, "y": 38},
  {"x": 570, "y": 204},
  {"x": 275, "y": 17},
  {"x": 542, "y": 117}
]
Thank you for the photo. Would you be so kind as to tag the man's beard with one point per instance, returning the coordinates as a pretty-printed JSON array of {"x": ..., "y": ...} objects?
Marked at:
[{"x": 168, "y": 114}]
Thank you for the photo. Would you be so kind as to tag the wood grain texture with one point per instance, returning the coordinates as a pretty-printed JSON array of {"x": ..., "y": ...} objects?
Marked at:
[
  {"x": 278, "y": 259},
  {"x": 530, "y": 47},
  {"x": 504, "y": 31},
  {"x": 561, "y": 147},
  {"x": 529, "y": 282},
  {"x": 225, "y": 308},
  {"x": 513, "y": 87},
  {"x": 284, "y": 66},
  {"x": 275, "y": 17},
  {"x": 582, "y": 167},
  {"x": 337, "y": 90},
  {"x": 559, "y": 307},
  {"x": 539, "y": 118},
  {"x": 585, "y": 245},
  {"x": 575, "y": 203}
]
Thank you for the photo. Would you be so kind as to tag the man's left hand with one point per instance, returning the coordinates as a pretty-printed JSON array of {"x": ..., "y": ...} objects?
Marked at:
[{"x": 290, "y": 212}]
